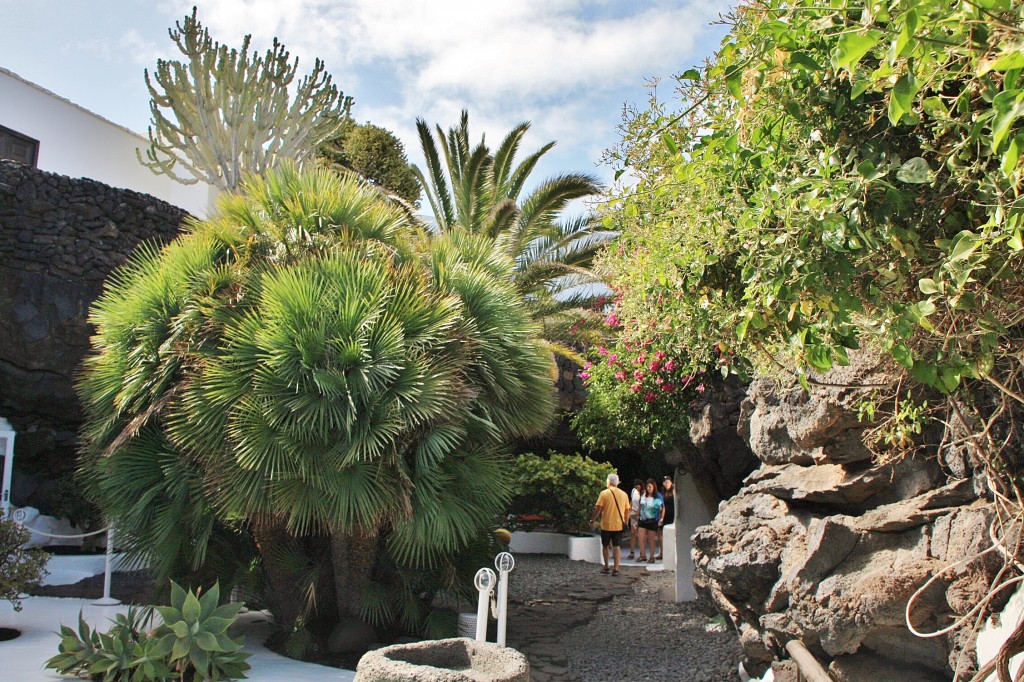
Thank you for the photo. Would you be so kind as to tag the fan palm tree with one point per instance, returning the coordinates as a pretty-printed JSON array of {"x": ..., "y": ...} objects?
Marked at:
[
  {"x": 304, "y": 365},
  {"x": 470, "y": 188}
]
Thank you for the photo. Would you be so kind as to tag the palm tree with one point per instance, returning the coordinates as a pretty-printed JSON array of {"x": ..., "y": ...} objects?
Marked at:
[
  {"x": 308, "y": 368},
  {"x": 472, "y": 189}
]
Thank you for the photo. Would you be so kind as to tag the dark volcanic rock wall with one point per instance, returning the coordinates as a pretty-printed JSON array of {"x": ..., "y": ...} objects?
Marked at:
[
  {"x": 824, "y": 545},
  {"x": 59, "y": 238}
]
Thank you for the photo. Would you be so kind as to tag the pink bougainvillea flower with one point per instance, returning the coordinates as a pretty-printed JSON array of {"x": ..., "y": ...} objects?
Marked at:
[
  {"x": 655, "y": 365},
  {"x": 612, "y": 359},
  {"x": 649, "y": 397},
  {"x": 588, "y": 365},
  {"x": 700, "y": 388},
  {"x": 642, "y": 358},
  {"x": 636, "y": 388},
  {"x": 602, "y": 350},
  {"x": 638, "y": 375},
  {"x": 584, "y": 375},
  {"x": 658, "y": 380},
  {"x": 621, "y": 376},
  {"x": 668, "y": 386},
  {"x": 612, "y": 320},
  {"x": 670, "y": 365},
  {"x": 660, "y": 355}
]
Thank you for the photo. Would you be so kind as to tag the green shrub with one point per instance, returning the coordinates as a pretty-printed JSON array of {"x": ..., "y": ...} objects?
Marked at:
[
  {"x": 191, "y": 645},
  {"x": 561, "y": 488},
  {"x": 19, "y": 568}
]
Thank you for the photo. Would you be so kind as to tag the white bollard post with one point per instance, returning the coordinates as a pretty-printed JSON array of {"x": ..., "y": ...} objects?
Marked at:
[
  {"x": 484, "y": 582},
  {"x": 504, "y": 563},
  {"x": 107, "y": 600}
]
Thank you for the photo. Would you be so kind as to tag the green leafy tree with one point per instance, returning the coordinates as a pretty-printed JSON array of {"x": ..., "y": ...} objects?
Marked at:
[
  {"x": 561, "y": 488},
  {"x": 308, "y": 367},
  {"x": 224, "y": 113},
  {"x": 375, "y": 154},
  {"x": 475, "y": 189},
  {"x": 842, "y": 174}
]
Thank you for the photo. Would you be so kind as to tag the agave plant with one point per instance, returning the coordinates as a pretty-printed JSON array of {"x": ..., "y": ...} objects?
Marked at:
[
  {"x": 307, "y": 364},
  {"x": 191, "y": 644},
  {"x": 470, "y": 188},
  {"x": 194, "y": 635}
]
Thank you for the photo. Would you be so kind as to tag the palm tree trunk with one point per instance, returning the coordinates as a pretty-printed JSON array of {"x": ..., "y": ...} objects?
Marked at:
[
  {"x": 353, "y": 557},
  {"x": 271, "y": 536}
]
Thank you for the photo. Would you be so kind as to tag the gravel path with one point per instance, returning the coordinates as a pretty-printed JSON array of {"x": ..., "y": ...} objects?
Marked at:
[{"x": 654, "y": 639}]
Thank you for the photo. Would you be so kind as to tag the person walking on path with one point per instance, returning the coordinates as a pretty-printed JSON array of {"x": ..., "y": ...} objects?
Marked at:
[
  {"x": 613, "y": 510},
  {"x": 634, "y": 515},
  {"x": 652, "y": 511}
]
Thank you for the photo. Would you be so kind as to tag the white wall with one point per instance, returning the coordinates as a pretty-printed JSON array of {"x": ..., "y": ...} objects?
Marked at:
[
  {"x": 692, "y": 511},
  {"x": 78, "y": 143}
]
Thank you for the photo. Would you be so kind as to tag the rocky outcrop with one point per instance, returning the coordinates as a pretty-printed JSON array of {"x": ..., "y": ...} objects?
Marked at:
[
  {"x": 59, "y": 239},
  {"x": 720, "y": 454},
  {"x": 823, "y": 545}
]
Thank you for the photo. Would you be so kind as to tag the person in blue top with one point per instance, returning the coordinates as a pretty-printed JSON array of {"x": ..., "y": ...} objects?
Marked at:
[{"x": 652, "y": 512}]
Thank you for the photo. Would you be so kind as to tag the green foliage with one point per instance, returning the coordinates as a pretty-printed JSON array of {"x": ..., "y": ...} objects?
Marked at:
[
  {"x": 125, "y": 653},
  {"x": 375, "y": 154},
  {"x": 846, "y": 173},
  {"x": 223, "y": 113},
  {"x": 194, "y": 633},
  {"x": 561, "y": 488},
  {"x": 480, "y": 191},
  {"x": 191, "y": 644},
  {"x": 638, "y": 396},
  {"x": 20, "y": 568},
  {"x": 306, "y": 359}
]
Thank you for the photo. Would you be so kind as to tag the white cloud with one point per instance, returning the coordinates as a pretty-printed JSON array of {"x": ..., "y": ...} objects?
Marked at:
[
  {"x": 489, "y": 49},
  {"x": 559, "y": 63}
]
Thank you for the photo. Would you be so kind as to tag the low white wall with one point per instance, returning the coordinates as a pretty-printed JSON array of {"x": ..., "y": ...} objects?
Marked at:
[
  {"x": 586, "y": 548},
  {"x": 538, "y": 542},
  {"x": 578, "y": 548},
  {"x": 691, "y": 512}
]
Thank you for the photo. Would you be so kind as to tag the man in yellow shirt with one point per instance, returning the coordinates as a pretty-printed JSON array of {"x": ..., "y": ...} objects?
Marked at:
[{"x": 613, "y": 509}]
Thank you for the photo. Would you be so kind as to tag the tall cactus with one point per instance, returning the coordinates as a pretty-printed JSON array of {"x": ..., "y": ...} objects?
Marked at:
[{"x": 223, "y": 113}]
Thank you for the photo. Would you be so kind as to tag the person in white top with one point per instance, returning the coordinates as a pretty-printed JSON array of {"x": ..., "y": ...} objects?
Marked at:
[{"x": 634, "y": 516}]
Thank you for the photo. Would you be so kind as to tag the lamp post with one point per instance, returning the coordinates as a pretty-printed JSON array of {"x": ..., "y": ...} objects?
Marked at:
[
  {"x": 484, "y": 581},
  {"x": 504, "y": 562}
]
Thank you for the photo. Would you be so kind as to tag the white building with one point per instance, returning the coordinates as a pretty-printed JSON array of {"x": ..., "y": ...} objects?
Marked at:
[{"x": 48, "y": 132}]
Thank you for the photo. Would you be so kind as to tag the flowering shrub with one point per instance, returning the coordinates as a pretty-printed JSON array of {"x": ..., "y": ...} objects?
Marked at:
[{"x": 638, "y": 394}]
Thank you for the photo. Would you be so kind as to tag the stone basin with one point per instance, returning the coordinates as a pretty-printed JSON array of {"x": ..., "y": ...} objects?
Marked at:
[{"x": 443, "y": 660}]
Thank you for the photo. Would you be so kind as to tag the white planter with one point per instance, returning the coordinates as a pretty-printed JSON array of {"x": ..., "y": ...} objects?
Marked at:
[
  {"x": 538, "y": 542},
  {"x": 576, "y": 547},
  {"x": 586, "y": 548}
]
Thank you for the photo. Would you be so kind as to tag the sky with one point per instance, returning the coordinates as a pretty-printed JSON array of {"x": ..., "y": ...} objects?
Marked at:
[{"x": 567, "y": 66}]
